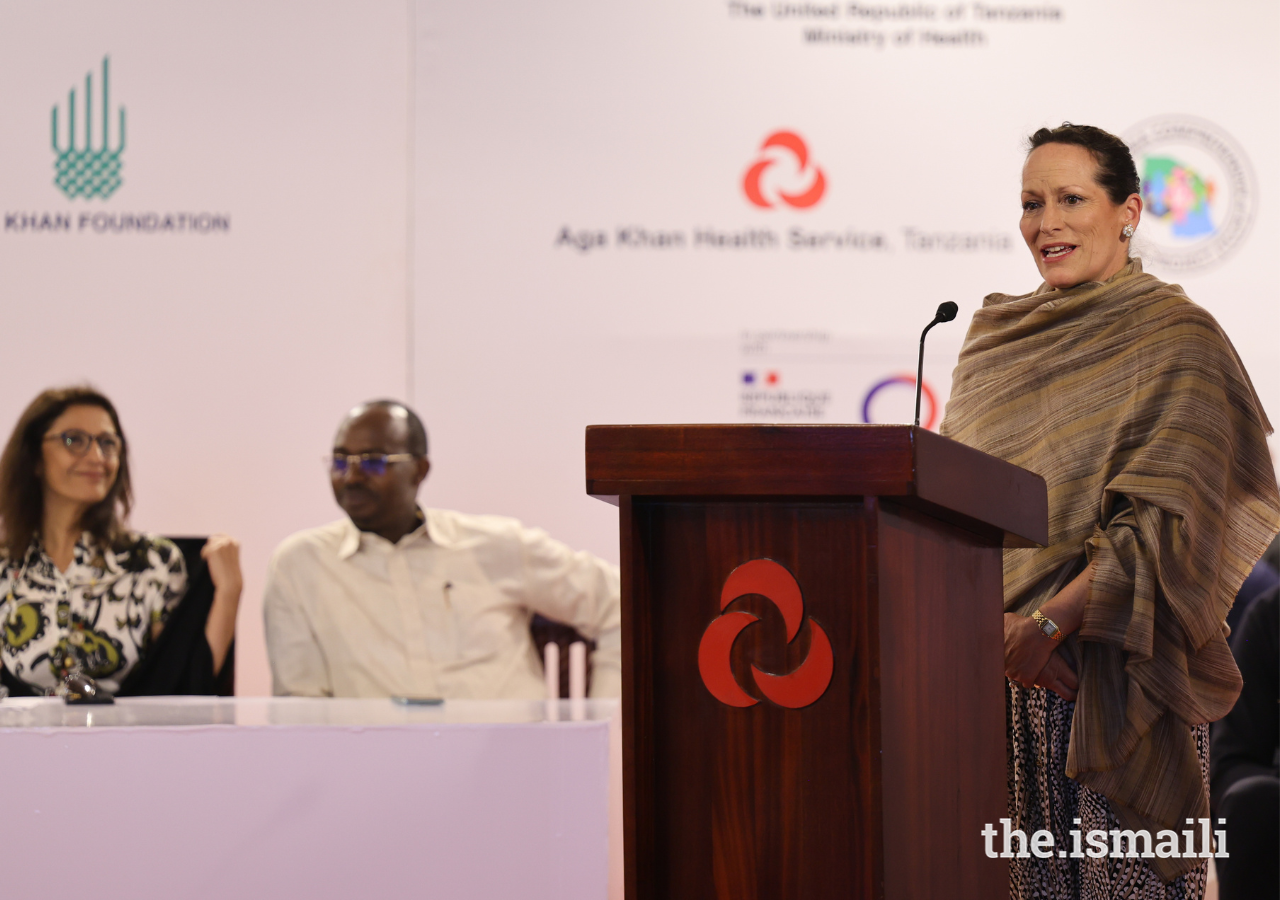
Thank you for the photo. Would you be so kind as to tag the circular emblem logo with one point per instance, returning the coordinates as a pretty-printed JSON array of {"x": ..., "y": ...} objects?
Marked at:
[
  {"x": 930, "y": 398},
  {"x": 1199, "y": 193}
]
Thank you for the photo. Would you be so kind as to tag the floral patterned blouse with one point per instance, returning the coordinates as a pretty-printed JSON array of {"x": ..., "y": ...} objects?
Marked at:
[{"x": 97, "y": 615}]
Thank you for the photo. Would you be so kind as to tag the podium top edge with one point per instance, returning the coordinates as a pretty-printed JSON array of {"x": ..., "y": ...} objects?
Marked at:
[{"x": 895, "y": 461}]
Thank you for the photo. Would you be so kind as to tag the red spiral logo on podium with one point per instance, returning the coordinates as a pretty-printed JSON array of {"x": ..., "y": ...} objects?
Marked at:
[{"x": 794, "y": 690}]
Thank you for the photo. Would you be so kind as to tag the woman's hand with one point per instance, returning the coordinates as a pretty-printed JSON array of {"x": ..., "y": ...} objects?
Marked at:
[
  {"x": 1029, "y": 657},
  {"x": 1058, "y": 676},
  {"x": 1026, "y": 649},
  {"x": 222, "y": 554}
]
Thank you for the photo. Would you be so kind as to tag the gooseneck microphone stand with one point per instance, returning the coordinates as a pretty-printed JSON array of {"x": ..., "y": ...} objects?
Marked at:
[{"x": 946, "y": 312}]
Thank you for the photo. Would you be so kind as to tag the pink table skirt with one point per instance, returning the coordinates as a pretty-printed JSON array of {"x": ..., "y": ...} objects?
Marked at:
[{"x": 295, "y": 798}]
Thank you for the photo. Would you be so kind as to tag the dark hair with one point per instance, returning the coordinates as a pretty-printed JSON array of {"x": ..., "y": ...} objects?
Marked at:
[
  {"x": 22, "y": 489},
  {"x": 1117, "y": 174},
  {"x": 417, "y": 444}
]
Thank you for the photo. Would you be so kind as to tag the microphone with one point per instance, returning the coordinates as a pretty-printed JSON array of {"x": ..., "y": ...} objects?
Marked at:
[{"x": 946, "y": 312}]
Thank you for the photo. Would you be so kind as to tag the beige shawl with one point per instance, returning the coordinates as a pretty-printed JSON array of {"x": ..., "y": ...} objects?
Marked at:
[{"x": 1132, "y": 404}]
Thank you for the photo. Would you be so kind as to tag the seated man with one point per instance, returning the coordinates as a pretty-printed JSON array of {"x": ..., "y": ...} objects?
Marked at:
[{"x": 399, "y": 601}]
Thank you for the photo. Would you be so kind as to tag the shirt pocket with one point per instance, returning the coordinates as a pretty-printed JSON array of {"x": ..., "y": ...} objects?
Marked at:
[{"x": 486, "y": 624}]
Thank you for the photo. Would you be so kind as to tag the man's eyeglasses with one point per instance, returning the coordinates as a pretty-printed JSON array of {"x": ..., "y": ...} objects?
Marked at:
[
  {"x": 78, "y": 442},
  {"x": 368, "y": 463}
]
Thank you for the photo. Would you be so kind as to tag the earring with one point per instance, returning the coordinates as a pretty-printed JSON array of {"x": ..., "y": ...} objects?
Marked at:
[{"x": 1127, "y": 231}]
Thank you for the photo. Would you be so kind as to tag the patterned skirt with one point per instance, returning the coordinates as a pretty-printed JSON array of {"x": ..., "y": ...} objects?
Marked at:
[{"x": 1042, "y": 796}]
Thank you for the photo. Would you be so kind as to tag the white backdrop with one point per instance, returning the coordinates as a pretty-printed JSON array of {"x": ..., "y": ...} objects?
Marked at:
[
  {"x": 586, "y": 249},
  {"x": 526, "y": 218}
]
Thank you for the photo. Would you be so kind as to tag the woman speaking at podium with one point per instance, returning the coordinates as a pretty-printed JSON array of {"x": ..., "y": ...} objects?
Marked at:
[{"x": 1132, "y": 404}]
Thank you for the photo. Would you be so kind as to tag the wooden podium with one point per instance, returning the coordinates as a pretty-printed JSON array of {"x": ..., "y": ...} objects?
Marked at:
[{"x": 813, "y": 688}]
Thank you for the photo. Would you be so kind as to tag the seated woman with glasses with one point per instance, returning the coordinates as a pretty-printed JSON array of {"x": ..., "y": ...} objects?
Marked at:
[{"x": 80, "y": 594}]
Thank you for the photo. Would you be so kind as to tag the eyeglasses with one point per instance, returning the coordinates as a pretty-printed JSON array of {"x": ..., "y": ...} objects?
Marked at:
[
  {"x": 78, "y": 442},
  {"x": 368, "y": 463}
]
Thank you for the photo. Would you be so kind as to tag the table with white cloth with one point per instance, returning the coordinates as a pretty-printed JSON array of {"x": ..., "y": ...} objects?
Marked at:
[{"x": 195, "y": 797}]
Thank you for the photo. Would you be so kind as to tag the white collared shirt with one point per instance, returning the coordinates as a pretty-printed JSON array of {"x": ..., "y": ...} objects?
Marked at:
[{"x": 443, "y": 612}]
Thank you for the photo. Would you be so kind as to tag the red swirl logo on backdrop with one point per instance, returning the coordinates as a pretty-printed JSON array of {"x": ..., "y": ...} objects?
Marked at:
[
  {"x": 800, "y": 688},
  {"x": 794, "y": 146}
]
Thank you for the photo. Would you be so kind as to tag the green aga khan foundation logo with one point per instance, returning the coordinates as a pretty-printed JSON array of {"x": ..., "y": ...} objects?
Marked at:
[
  {"x": 83, "y": 170},
  {"x": 88, "y": 141}
]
